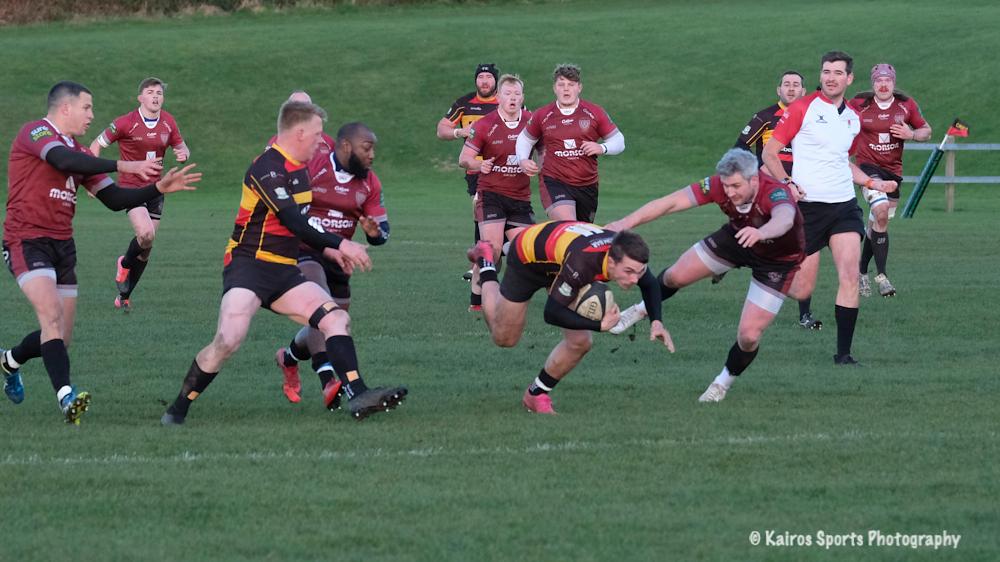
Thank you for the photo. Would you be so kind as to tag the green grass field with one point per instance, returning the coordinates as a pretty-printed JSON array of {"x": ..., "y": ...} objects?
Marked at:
[{"x": 633, "y": 468}]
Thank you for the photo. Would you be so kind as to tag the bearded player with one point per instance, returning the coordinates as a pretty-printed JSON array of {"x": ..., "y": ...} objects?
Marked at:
[
  {"x": 142, "y": 134},
  {"x": 563, "y": 257},
  {"x": 764, "y": 233}
]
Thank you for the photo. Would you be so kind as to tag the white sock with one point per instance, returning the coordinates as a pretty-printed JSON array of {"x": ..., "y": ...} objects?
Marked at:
[
  {"x": 9, "y": 357},
  {"x": 63, "y": 392},
  {"x": 725, "y": 379},
  {"x": 641, "y": 307}
]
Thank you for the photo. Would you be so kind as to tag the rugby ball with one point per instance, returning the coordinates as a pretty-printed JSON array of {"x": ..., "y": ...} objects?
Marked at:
[{"x": 593, "y": 300}]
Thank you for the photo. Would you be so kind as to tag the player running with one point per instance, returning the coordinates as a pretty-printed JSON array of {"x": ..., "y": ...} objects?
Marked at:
[
  {"x": 564, "y": 257},
  {"x": 47, "y": 166},
  {"x": 346, "y": 193},
  {"x": 889, "y": 118},
  {"x": 569, "y": 129},
  {"x": 503, "y": 204},
  {"x": 260, "y": 268},
  {"x": 764, "y": 233},
  {"x": 142, "y": 134}
]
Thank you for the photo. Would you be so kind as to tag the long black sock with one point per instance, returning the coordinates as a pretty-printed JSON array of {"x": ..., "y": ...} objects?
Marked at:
[
  {"x": 131, "y": 254},
  {"x": 195, "y": 382},
  {"x": 135, "y": 272},
  {"x": 805, "y": 306},
  {"x": 543, "y": 383},
  {"x": 739, "y": 360},
  {"x": 56, "y": 361},
  {"x": 880, "y": 248},
  {"x": 475, "y": 300},
  {"x": 866, "y": 254},
  {"x": 343, "y": 356},
  {"x": 323, "y": 370},
  {"x": 299, "y": 352},
  {"x": 847, "y": 318},
  {"x": 29, "y": 348}
]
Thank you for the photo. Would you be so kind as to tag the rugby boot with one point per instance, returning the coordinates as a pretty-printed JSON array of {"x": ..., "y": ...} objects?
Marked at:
[
  {"x": 864, "y": 285},
  {"x": 292, "y": 386},
  {"x": 123, "y": 304},
  {"x": 629, "y": 317},
  {"x": 467, "y": 276},
  {"x": 717, "y": 277},
  {"x": 808, "y": 322},
  {"x": 121, "y": 277},
  {"x": 12, "y": 385},
  {"x": 475, "y": 308},
  {"x": 845, "y": 360},
  {"x": 332, "y": 394},
  {"x": 374, "y": 400},
  {"x": 714, "y": 393},
  {"x": 541, "y": 404},
  {"x": 74, "y": 405},
  {"x": 169, "y": 419},
  {"x": 885, "y": 287}
]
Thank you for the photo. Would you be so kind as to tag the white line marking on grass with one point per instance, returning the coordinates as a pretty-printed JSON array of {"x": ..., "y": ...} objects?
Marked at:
[{"x": 530, "y": 449}]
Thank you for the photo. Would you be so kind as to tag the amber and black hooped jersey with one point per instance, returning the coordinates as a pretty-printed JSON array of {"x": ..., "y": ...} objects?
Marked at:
[
  {"x": 575, "y": 252},
  {"x": 274, "y": 182},
  {"x": 758, "y": 131}
]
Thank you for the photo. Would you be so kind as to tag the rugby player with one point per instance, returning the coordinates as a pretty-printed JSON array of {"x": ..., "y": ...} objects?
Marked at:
[
  {"x": 142, "y": 134},
  {"x": 764, "y": 233},
  {"x": 889, "y": 118},
  {"x": 821, "y": 129},
  {"x": 45, "y": 168},
  {"x": 569, "y": 129},
  {"x": 260, "y": 268},
  {"x": 563, "y": 257},
  {"x": 457, "y": 124},
  {"x": 346, "y": 193},
  {"x": 504, "y": 197}
]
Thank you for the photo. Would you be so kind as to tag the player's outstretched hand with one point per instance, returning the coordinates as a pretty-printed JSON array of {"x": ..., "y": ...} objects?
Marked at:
[
  {"x": 591, "y": 148},
  {"x": 179, "y": 180},
  {"x": 658, "y": 332},
  {"x": 369, "y": 225},
  {"x": 356, "y": 254},
  {"x": 145, "y": 169},
  {"x": 748, "y": 236},
  {"x": 530, "y": 167},
  {"x": 337, "y": 257},
  {"x": 611, "y": 317}
]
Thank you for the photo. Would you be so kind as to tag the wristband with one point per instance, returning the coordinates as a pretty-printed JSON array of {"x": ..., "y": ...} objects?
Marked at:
[{"x": 605, "y": 147}]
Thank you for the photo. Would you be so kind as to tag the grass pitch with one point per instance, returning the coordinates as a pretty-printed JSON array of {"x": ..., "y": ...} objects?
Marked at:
[{"x": 633, "y": 468}]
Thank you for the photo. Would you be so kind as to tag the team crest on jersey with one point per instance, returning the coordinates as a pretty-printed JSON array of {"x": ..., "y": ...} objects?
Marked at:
[
  {"x": 40, "y": 133},
  {"x": 584, "y": 124},
  {"x": 281, "y": 193},
  {"x": 884, "y": 138},
  {"x": 705, "y": 185},
  {"x": 569, "y": 144},
  {"x": 164, "y": 137},
  {"x": 113, "y": 128},
  {"x": 513, "y": 160},
  {"x": 565, "y": 290},
  {"x": 746, "y": 130}
]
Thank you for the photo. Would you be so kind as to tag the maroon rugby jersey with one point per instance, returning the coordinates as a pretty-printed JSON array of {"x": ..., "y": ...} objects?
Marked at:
[
  {"x": 876, "y": 145},
  {"x": 563, "y": 135},
  {"x": 339, "y": 199},
  {"x": 41, "y": 200},
  {"x": 138, "y": 140},
  {"x": 790, "y": 246},
  {"x": 493, "y": 138}
]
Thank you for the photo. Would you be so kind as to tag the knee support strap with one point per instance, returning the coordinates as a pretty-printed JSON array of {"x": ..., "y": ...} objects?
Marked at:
[{"x": 320, "y": 312}]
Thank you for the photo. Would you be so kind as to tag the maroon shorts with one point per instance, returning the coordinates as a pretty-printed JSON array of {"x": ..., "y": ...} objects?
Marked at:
[
  {"x": 338, "y": 282},
  {"x": 554, "y": 192},
  {"x": 723, "y": 247},
  {"x": 494, "y": 207},
  {"x": 30, "y": 258}
]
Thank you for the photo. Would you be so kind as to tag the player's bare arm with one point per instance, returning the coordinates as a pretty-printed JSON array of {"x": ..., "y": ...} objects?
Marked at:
[
  {"x": 776, "y": 169},
  {"x": 145, "y": 169},
  {"x": 782, "y": 219},
  {"x": 446, "y": 130},
  {"x": 675, "y": 202},
  {"x": 182, "y": 152},
  {"x": 611, "y": 317},
  {"x": 876, "y": 184},
  {"x": 95, "y": 147}
]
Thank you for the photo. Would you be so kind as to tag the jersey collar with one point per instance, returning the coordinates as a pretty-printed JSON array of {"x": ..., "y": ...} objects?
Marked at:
[
  {"x": 342, "y": 175},
  {"x": 293, "y": 161}
]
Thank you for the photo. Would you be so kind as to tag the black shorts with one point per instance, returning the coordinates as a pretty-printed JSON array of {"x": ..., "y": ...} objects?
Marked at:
[
  {"x": 882, "y": 174},
  {"x": 26, "y": 259},
  {"x": 154, "y": 206},
  {"x": 471, "y": 184},
  {"x": 338, "y": 282},
  {"x": 494, "y": 207},
  {"x": 520, "y": 281},
  {"x": 554, "y": 192},
  {"x": 723, "y": 246},
  {"x": 823, "y": 220},
  {"x": 267, "y": 280}
]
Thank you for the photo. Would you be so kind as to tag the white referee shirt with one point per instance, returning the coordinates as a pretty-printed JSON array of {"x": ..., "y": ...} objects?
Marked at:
[{"x": 822, "y": 139}]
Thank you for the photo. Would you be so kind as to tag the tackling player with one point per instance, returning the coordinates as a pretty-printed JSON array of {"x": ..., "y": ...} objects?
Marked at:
[
  {"x": 764, "y": 233},
  {"x": 569, "y": 129},
  {"x": 889, "y": 118},
  {"x": 142, "y": 134},
  {"x": 345, "y": 193},
  {"x": 260, "y": 268},
  {"x": 504, "y": 198},
  {"x": 47, "y": 166},
  {"x": 457, "y": 124},
  {"x": 822, "y": 131},
  {"x": 564, "y": 257}
]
